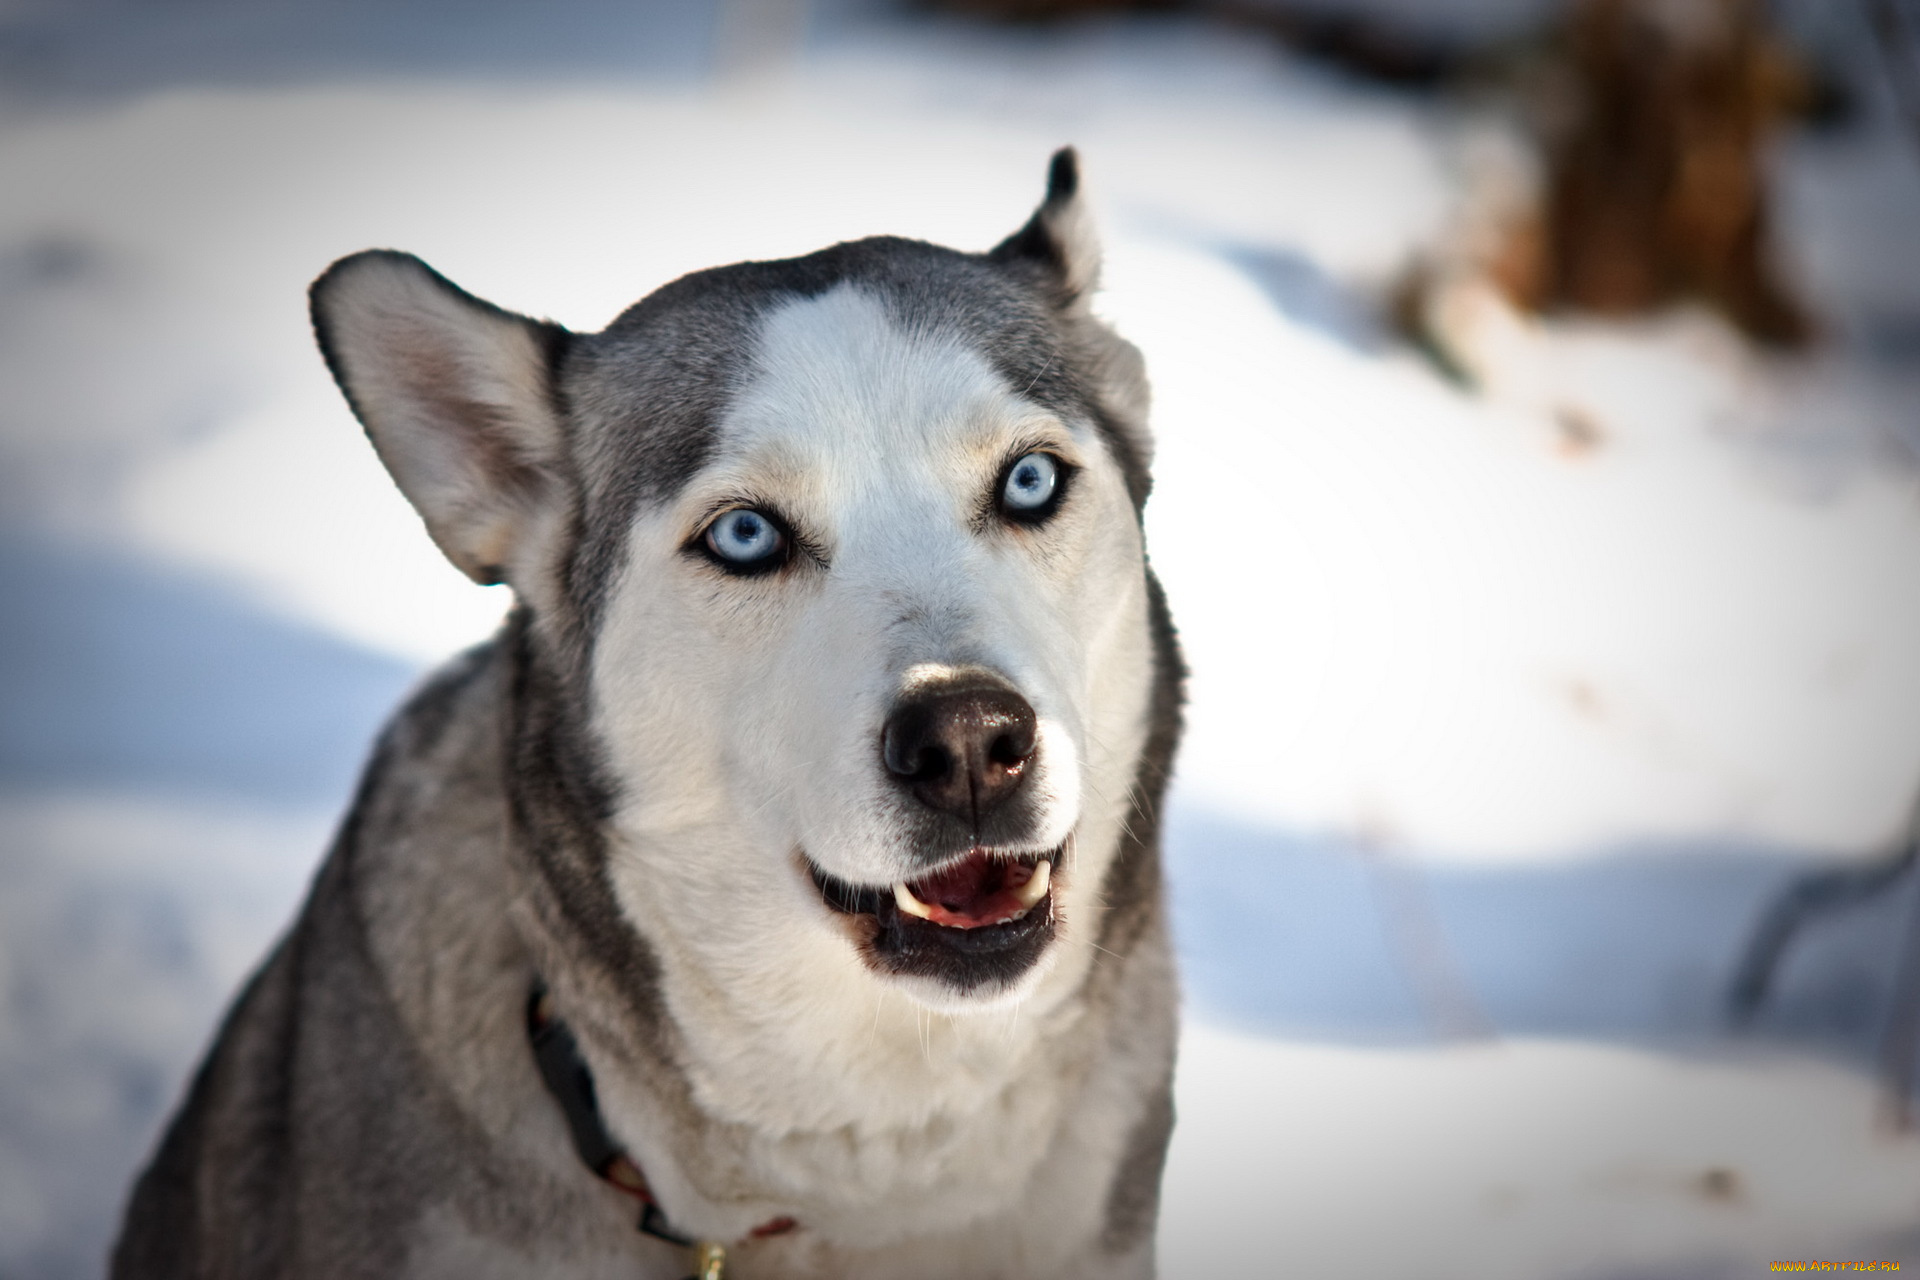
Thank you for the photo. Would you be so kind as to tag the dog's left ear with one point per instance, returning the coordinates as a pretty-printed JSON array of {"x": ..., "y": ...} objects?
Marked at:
[{"x": 1060, "y": 235}]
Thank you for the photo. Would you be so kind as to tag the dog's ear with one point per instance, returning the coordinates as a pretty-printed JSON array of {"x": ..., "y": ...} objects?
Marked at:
[
  {"x": 1059, "y": 239},
  {"x": 1060, "y": 235},
  {"x": 457, "y": 396}
]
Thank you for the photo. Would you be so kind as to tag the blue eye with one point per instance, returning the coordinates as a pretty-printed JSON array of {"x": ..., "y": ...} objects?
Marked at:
[
  {"x": 746, "y": 539},
  {"x": 1032, "y": 484}
]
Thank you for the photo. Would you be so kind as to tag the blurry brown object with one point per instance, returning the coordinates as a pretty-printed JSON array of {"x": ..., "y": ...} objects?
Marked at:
[
  {"x": 1654, "y": 117},
  {"x": 1655, "y": 190}
]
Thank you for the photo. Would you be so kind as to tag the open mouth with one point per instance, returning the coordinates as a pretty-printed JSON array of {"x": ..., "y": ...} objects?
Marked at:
[
  {"x": 977, "y": 922},
  {"x": 978, "y": 893}
]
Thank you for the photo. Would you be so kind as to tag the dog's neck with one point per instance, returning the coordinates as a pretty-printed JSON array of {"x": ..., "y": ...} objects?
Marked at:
[{"x": 748, "y": 1090}]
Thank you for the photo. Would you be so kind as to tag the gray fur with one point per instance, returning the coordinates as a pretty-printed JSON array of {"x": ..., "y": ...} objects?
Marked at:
[{"x": 370, "y": 1106}]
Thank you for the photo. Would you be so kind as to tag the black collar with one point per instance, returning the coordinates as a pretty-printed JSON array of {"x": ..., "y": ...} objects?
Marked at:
[{"x": 571, "y": 1084}]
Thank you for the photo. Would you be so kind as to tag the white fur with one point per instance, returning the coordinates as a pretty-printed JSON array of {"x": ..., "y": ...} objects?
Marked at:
[{"x": 744, "y": 715}]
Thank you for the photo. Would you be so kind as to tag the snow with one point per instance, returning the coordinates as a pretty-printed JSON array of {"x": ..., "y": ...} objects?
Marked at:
[
  {"x": 126, "y": 925},
  {"x": 1460, "y": 637},
  {"x": 1510, "y": 708},
  {"x": 1522, "y": 1159}
]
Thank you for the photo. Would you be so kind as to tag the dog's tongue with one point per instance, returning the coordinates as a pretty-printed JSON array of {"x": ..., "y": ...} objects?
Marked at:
[{"x": 979, "y": 891}]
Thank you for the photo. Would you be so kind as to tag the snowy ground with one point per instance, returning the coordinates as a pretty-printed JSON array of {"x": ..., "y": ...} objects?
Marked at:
[{"x": 1501, "y": 734}]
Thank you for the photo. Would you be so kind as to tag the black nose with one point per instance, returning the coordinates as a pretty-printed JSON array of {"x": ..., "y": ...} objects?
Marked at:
[{"x": 960, "y": 750}]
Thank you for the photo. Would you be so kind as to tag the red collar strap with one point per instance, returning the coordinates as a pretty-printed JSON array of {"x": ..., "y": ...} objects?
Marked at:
[{"x": 571, "y": 1084}]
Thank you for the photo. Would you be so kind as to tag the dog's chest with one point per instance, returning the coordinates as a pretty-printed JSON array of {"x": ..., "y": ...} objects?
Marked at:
[
  {"x": 943, "y": 1139},
  {"x": 1006, "y": 1174}
]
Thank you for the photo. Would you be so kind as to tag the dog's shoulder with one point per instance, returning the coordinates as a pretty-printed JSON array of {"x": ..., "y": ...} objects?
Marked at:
[{"x": 377, "y": 1055}]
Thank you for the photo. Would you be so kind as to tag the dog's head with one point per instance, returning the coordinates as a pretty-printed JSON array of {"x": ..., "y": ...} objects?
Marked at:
[{"x": 841, "y": 559}]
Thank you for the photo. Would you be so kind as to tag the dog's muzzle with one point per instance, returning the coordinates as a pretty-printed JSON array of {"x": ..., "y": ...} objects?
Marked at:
[{"x": 983, "y": 911}]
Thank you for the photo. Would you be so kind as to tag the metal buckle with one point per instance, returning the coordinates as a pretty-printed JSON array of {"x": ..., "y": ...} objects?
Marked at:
[{"x": 710, "y": 1261}]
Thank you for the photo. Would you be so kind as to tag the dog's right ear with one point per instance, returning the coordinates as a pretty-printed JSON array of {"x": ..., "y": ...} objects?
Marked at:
[
  {"x": 457, "y": 396},
  {"x": 1060, "y": 235}
]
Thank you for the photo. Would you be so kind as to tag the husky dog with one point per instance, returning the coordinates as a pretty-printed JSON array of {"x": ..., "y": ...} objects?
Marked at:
[{"x": 785, "y": 872}]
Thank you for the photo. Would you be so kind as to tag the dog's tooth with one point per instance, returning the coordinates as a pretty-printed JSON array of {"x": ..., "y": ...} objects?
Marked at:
[
  {"x": 1036, "y": 888},
  {"x": 904, "y": 899}
]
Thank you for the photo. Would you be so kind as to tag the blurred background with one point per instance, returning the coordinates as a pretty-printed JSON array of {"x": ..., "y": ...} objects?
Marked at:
[{"x": 1538, "y": 394}]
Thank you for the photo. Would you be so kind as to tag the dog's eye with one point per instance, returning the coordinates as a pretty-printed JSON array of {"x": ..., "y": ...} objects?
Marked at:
[
  {"x": 1032, "y": 487},
  {"x": 746, "y": 540}
]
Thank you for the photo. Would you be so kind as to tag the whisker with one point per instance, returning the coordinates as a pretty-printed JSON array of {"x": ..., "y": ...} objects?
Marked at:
[{"x": 1045, "y": 369}]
